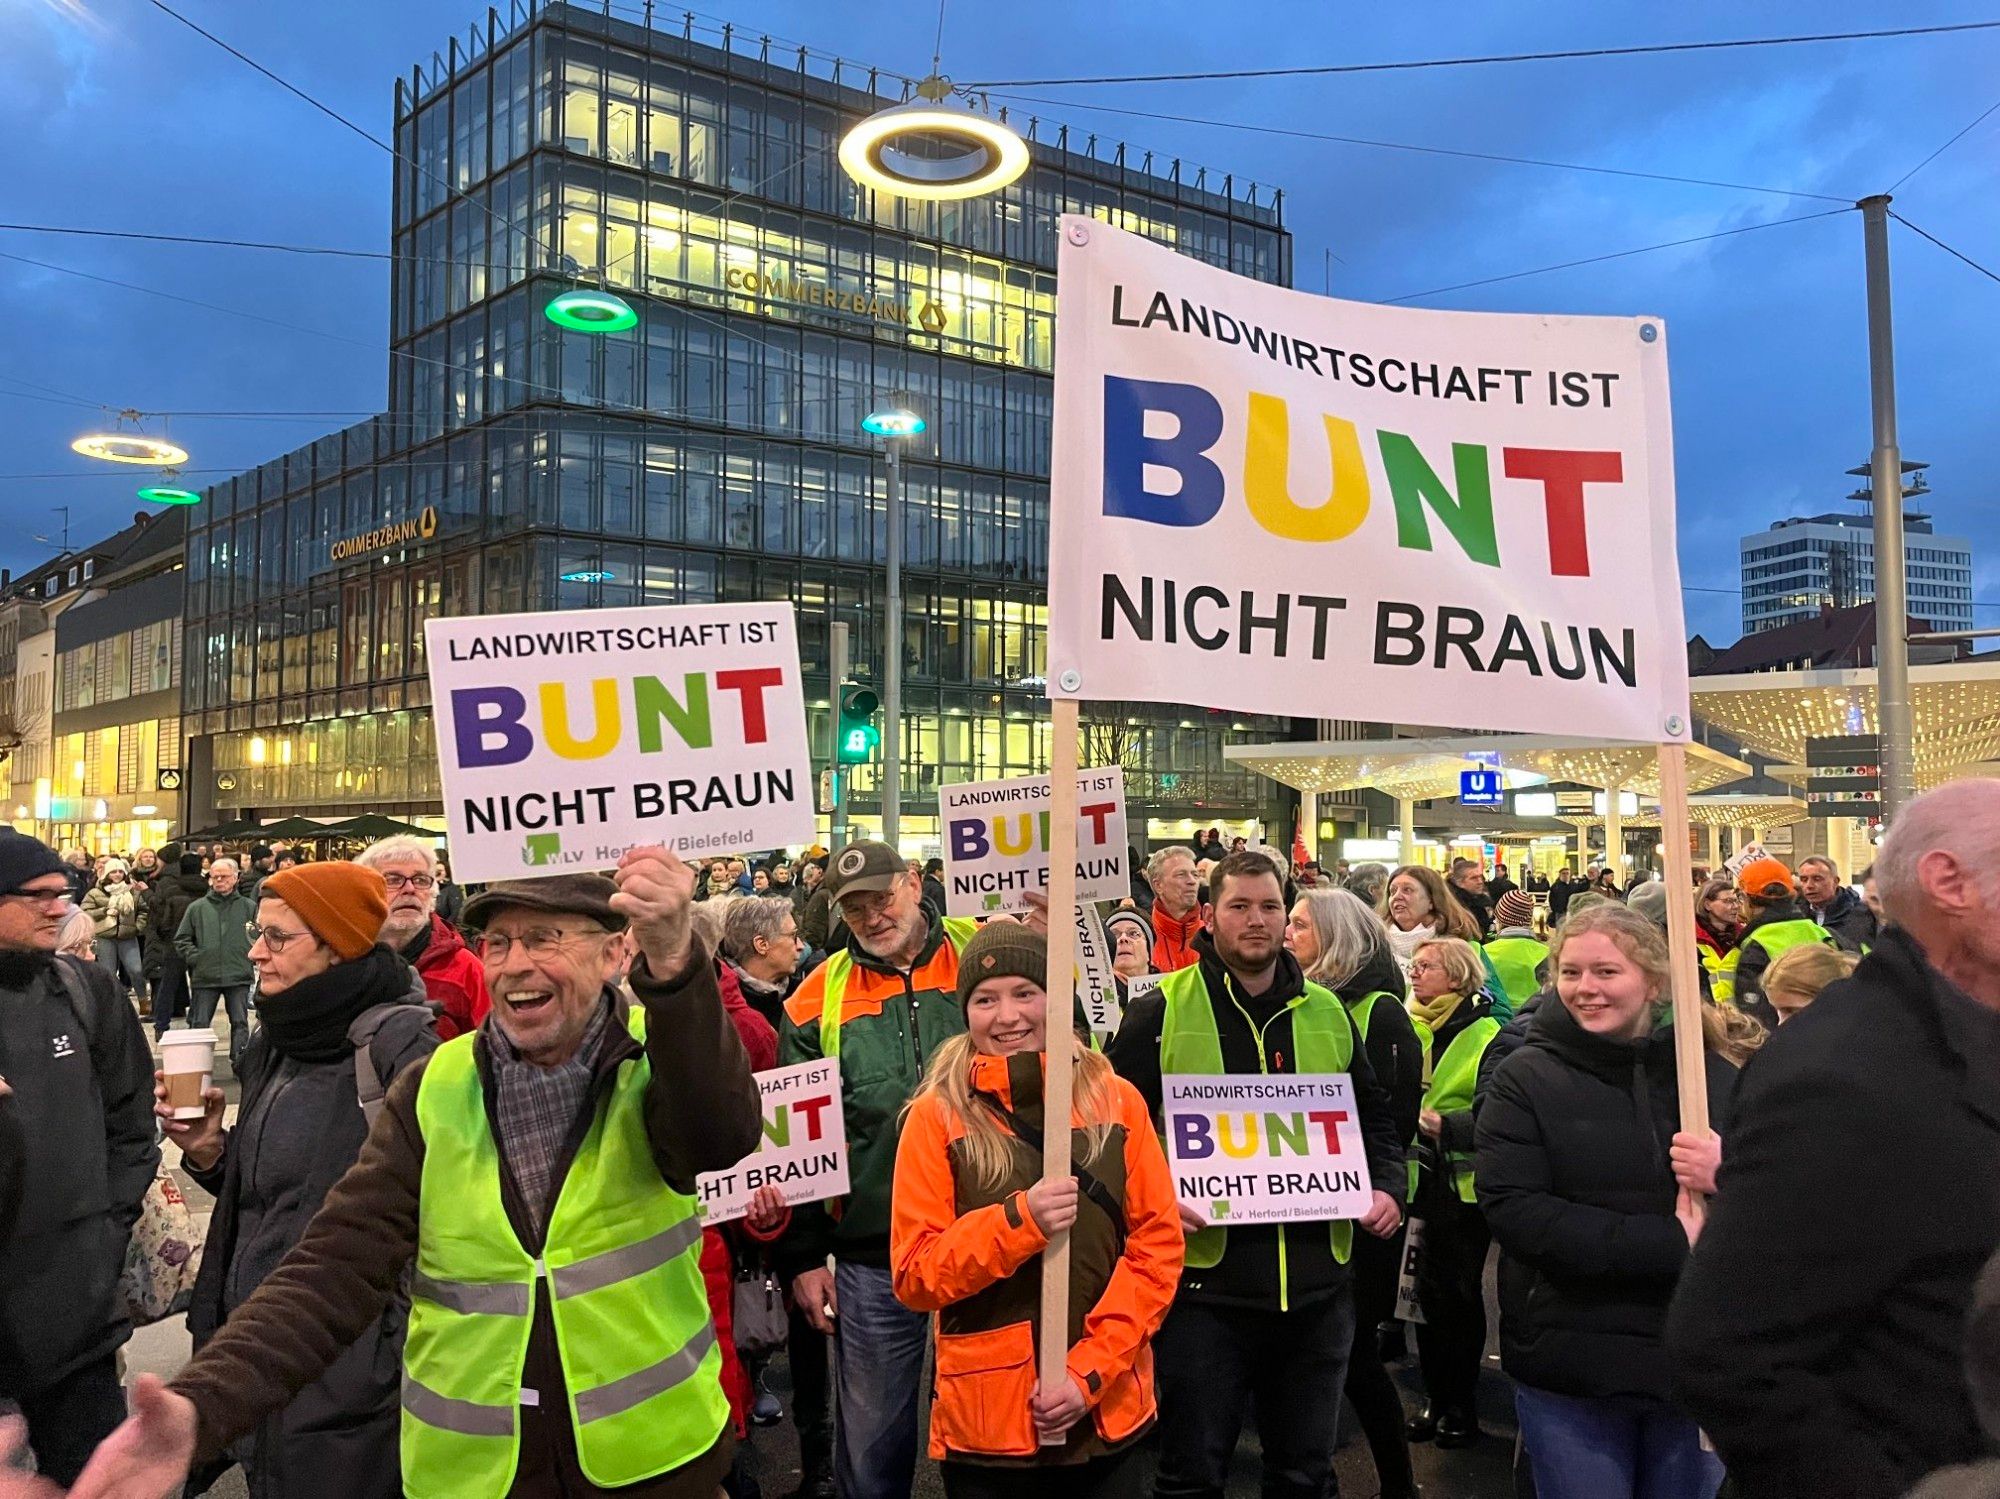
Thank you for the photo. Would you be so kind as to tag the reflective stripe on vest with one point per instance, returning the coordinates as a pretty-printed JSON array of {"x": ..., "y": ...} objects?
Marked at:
[
  {"x": 1515, "y": 960},
  {"x": 1454, "y": 1078},
  {"x": 958, "y": 931},
  {"x": 1322, "y": 1042},
  {"x": 1362, "y": 1010},
  {"x": 1775, "y": 938},
  {"x": 622, "y": 1268}
]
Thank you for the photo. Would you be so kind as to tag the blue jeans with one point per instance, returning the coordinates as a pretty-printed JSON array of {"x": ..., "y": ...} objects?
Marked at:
[
  {"x": 878, "y": 1353},
  {"x": 122, "y": 953},
  {"x": 201, "y": 1010},
  {"x": 1613, "y": 1448}
]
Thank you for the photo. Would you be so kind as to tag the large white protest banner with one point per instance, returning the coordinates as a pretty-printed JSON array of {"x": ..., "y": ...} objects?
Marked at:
[
  {"x": 1268, "y": 501},
  {"x": 565, "y": 740},
  {"x": 1271, "y": 1149},
  {"x": 996, "y": 842},
  {"x": 804, "y": 1149}
]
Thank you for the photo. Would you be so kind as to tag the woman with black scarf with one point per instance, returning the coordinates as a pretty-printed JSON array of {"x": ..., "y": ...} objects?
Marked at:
[{"x": 326, "y": 990}]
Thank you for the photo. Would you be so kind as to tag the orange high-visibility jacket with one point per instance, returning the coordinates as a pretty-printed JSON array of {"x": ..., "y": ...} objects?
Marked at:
[{"x": 971, "y": 1253}]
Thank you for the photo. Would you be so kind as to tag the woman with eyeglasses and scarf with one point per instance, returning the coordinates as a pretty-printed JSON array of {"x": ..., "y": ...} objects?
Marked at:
[{"x": 340, "y": 1015}]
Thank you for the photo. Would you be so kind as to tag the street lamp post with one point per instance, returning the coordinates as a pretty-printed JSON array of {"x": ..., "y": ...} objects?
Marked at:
[
  {"x": 1885, "y": 480},
  {"x": 892, "y": 425}
]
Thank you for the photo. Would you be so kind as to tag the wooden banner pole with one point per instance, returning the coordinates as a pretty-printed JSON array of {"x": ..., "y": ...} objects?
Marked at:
[
  {"x": 1689, "y": 1053},
  {"x": 1060, "y": 1037}
]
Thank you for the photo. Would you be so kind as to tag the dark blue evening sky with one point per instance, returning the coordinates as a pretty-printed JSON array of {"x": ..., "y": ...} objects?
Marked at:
[{"x": 115, "y": 116}]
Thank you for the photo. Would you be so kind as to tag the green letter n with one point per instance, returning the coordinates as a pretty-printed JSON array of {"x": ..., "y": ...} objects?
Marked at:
[
  {"x": 1413, "y": 484},
  {"x": 651, "y": 702}
]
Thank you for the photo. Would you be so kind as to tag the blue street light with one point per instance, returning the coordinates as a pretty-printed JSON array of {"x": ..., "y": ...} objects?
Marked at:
[{"x": 893, "y": 421}]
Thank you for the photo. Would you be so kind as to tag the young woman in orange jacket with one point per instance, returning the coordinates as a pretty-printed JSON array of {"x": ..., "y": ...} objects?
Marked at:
[{"x": 971, "y": 1216}]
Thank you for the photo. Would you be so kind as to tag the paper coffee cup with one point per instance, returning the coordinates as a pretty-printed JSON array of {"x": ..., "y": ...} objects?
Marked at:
[{"x": 188, "y": 1060}]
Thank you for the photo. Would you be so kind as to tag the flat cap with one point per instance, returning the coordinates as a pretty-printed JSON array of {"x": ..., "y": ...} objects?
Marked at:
[{"x": 558, "y": 894}]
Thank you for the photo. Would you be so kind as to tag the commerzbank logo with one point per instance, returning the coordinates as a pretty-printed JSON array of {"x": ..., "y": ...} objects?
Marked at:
[{"x": 782, "y": 286}]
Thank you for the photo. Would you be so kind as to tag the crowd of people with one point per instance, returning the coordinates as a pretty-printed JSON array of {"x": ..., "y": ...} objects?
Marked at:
[{"x": 455, "y": 1248}]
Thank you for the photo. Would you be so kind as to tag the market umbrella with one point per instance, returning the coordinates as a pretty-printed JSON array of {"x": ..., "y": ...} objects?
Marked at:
[
  {"x": 297, "y": 828},
  {"x": 236, "y": 829},
  {"x": 375, "y": 825}
]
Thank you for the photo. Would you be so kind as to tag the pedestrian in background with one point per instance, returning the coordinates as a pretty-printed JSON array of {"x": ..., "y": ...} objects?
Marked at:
[
  {"x": 1454, "y": 1017},
  {"x": 340, "y": 1017},
  {"x": 1514, "y": 951},
  {"x": 1833, "y": 905},
  {"x": 972, "y": 1214},
  {"x": 1798, "y": 976},
  {"x": 1823, "y": 1365},
  {"x": 413, "y": 929},
  {"x": 1176, "y": 913},
  {"x": 1717, "y": 919},
  {"x": 77, "y": 871},
  {"x": 78, "y": 1072},
  {"x": 760, "y": 943},
  {"x": 78, "y": 937},
  {"x": 213, "y": 940},
  {"x": 1468, "y": 888},
  {"x": 1368, "y": 882},
  {"x": 1586, "y": 1178},
  {"x": 166, "y": 904},
  {"x": 1342, "y": 946},
  {"x": 112, "y": 905},
  {"x": 1774, "y": 921},
  {"x": 450, "y": 894},
  {"x": 1418, "y": 907}
]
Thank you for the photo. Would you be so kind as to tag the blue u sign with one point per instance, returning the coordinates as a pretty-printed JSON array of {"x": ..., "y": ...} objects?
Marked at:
[{"x": 1479, "y": 788}]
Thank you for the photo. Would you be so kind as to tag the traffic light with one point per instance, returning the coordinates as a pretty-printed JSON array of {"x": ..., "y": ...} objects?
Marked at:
[{"x": 858, "y": 734}]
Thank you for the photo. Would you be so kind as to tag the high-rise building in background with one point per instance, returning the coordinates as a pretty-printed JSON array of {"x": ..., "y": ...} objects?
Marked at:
[
  {"x": 1807, "y": 564},
  {"x": 713, "y": 452}
]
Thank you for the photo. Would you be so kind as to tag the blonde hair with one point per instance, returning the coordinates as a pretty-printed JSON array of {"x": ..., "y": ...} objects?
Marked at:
[
  {"x": 989, "y": 1155},
  {"x": 1805, "y": 970},
  {"x": 1725, "y": 1030},
  {"x": 1461, "y": 963},
  {"x": 1448, "y": 918},
  {"x": 78, "y": 935}
]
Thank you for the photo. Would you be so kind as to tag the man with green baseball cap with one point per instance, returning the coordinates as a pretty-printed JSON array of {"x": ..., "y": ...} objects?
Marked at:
[{"x": 882, "y": 1003}]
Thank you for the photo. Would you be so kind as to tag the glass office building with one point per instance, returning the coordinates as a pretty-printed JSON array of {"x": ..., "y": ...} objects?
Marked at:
[{"x": 713, "y": 452}]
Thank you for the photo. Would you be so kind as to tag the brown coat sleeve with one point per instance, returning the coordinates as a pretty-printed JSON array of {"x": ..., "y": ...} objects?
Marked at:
[
  {"x": 325, "y": 1293},
  {"x": 703, "y": 1111}
]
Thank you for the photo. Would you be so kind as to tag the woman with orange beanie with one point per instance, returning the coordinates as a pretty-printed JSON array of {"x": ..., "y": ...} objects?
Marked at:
[
  {"x": 339, "y": 1016},
  {"x": 971, "y": 1215}
]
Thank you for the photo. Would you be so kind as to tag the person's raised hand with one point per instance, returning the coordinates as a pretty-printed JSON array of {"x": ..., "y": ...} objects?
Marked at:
[
  {"x": 200, "y": 1140},
  {"x": 1383, "y": 1217},
  {"x": 1036, "y": 917},
  {"x": 655, "y": 893},
  {"x": 767, "y": 1210},
  {"x": 1052, "y": 1204},
  {"x": 1191, "y": 1221},
  {"x": 813, "y": 1294},
  {"x": 148, "y": 1456},
  {"x": 1431, "y": 1122},
  {"x": 1695, "y": 1160}
]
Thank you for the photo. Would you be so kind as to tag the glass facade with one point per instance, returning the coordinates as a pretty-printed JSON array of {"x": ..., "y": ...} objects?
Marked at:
[{"x": 715, "y": 451}]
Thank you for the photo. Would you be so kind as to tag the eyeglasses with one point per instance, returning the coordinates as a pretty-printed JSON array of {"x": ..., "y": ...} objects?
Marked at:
[
  {"x": 1427, "y": 967},
  {"x": 41, "y": 897},
  {"x": 412, "y": 881},
  {"x": 543, "y": 942},
  {"x": 273, "y": 937}
]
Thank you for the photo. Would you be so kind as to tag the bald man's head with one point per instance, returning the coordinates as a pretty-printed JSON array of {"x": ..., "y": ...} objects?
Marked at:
[{"x": 1938, "y": 877}]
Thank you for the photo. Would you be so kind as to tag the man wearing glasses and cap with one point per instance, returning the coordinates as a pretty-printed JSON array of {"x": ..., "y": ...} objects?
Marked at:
[
  {"x": 882, "y": 1003},
  {"x": 79, "y": 1081},
  {"x": 538, "y": 1178}
]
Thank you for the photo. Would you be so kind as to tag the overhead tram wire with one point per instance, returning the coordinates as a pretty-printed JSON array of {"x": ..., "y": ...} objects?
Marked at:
[
  {"x": 1959, "y": 254},
  {"x": 1381, "y": 145},
  {"x": 1414, "y": 65},
  {"x": 1565, "y": 265},
  {"x": 1945, "y": 147}
]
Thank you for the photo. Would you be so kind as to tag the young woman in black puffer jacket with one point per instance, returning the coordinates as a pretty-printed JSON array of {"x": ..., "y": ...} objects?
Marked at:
[{"x": 1585, "y": 1179}]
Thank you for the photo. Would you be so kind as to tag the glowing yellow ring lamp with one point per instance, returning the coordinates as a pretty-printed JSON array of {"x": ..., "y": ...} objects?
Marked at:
[
  {"x": 991, "y": 155},
  {"x": 129, "y": 447}
]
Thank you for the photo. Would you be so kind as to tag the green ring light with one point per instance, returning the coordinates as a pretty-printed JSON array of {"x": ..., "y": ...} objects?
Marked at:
[
  {"x": 591, "y": 312},
  {"x": 162, "y": 495}
]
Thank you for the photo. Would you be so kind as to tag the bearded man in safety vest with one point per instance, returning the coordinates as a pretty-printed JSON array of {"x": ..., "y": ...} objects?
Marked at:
[
  {"x": 1265, "y": 1311},
  {"x": 882, "y": 1004},
  {"x": 540, "y": 1173}
]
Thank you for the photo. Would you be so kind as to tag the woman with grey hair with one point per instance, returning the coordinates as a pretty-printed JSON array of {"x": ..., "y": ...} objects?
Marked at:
[
  {"x": 760, "y": 941},
  {"x": 1342, "y": 945}
]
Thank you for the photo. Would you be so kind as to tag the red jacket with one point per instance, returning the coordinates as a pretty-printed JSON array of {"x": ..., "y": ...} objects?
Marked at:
[
  {"x": 454, "y": 978},
  {"x": 1171, "y": 936}
]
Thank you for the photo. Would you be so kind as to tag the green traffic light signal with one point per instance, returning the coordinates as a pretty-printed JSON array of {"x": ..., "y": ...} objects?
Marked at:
[{"x": 858, "y": 735}]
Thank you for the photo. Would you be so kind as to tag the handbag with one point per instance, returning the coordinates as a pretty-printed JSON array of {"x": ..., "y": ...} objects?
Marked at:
[
  {"x": 163, "y": 1255},
  {"x": 760, "y": 1324}
]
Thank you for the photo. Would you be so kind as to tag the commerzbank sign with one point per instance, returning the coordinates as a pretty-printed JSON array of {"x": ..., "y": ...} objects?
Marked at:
[
  {"x": 781, "y": 286},
  {"x": 396, "y": 533}
]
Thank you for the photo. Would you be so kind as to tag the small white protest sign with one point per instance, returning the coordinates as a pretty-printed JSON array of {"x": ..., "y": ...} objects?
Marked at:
[
  {"x": 803, "y": 1152},
  {"x": 565, "y": 740},
  {"x": 1096, "y": 985},
  {"x": 996, "y": 842},
  {"x": 1266, "y": 1149}
]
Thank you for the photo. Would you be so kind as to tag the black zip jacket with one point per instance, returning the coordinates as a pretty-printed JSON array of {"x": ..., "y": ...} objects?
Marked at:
[
  {"x": 1253, "y": 1273},
  {"x": 1819, "y": 1335},
  {"x": 1394, "y": 1050},
  {"x": 1576, "y": 1185}
]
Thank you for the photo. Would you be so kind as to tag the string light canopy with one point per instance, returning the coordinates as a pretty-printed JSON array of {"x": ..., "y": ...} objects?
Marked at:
[
  {"x": 591, "y": 310},
  {"x": 933, "y": 147},
  {"x": 122, "y": 446}
]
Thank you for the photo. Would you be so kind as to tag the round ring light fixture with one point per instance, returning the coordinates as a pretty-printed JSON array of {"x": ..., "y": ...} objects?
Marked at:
[
  {"x": 933, "y": 147},
  {"x": 130, "y": 447},
  {"x": 591, "y": 311}
]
